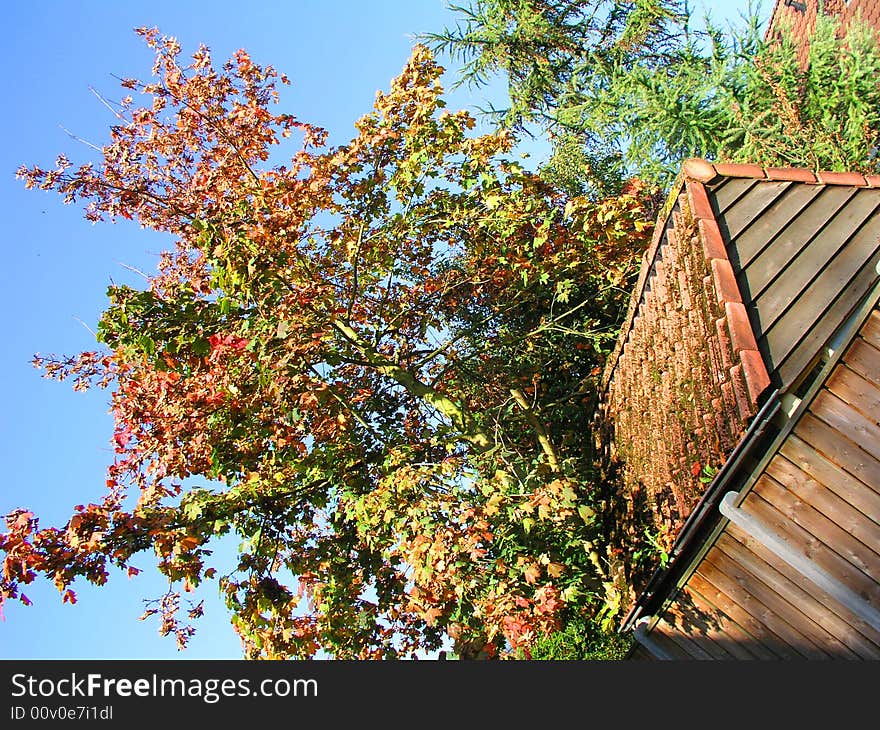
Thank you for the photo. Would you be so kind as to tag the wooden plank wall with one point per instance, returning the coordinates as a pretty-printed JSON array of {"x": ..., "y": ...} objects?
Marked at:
[
  {"x": 821, "y": 492},
  {"x": 804, "y": 255}
]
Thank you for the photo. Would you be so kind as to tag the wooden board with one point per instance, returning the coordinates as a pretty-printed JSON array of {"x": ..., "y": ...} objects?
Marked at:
[
  {"x": 864, "y": 358},
  {"x": 817, "y": 526},
  {"x": 797, "y": 607},
  {"x": 846, "y": 454},
  {"x": 640, "y": 653},
  {"x": 806, "y": 288},
  {"x": 871, "y": 330},
  {"x": 836, "y": 479},
  {"x": 754, "y": 598},
  {"x": 721, "y": 629},
  {"x": 670, "y": 641},
  {"x": 728, "y": 192},
  {"x": 797, "y": 235},
  {"x": 796, "y": 645},
  {"x": 796, "y": 352},
  {"x": 854, "y": 425},
  {"x": 775, "y": 610},
  {"x": 850, "y": 628},
  {"x": 856, "y": 391},
  {"x": 840, "y": 513},
  {"x": 751, "y": 205},
  {"x": 752, "y": 241},
  {"x": 813, "y": 548},
  {"x": 816, "y": 278},
  {"x": 686, "y": 624},
  {"x": 759, "y": 637}
]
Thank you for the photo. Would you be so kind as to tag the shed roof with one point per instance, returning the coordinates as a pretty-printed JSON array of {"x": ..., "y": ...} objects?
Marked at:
[
  {"x": 799, "y": 252},
  {"x": 802, "y": 246},
  {"x": 782, "y": 558}
]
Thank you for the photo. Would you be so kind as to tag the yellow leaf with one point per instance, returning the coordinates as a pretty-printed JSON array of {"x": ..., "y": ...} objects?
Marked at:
[{"x": 492, "y": 506}]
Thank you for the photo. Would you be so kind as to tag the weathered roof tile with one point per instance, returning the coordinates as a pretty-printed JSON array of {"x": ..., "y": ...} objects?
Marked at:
[
  {"x": 740, "y": 170},
  {"x": 842, "y": 178},
  {"x": 795, "y": 174}
]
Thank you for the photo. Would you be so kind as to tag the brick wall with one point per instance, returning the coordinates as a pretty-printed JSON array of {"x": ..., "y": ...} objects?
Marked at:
[
  {"x": 687, "y": 373},
  {"x": 801, "y": 15}
]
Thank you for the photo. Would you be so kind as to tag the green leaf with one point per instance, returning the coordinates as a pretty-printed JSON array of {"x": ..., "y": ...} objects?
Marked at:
[{"x": 587, "y": 514}]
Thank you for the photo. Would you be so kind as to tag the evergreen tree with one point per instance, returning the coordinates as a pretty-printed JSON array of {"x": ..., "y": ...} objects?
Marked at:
[{"x": 641, "y": 93}]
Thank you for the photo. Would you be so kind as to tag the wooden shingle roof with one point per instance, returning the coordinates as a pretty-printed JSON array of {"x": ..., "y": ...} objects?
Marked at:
[{"x": 803, "y": 247}]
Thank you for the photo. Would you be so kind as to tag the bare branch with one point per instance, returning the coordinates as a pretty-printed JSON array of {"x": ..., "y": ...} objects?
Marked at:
[{"x": 79, "y": 139}]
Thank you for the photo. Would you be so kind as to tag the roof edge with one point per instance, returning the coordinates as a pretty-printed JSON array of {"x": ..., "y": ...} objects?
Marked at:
[
  {"x": 698, "y": 169},
  {"x": 703, "y": 172},
  {"x": 645, "y": 269}
]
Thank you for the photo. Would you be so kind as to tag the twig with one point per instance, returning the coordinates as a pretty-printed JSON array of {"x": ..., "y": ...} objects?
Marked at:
[
  {"x": 106, "y": 103},
  {"x": 91, "y": 331},
  {"x": 80, "y": 139},
  {"x": 132, "y": 268}
]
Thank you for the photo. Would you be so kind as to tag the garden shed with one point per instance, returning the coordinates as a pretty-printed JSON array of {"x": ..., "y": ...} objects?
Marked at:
[{"x": 743, "y": 409}]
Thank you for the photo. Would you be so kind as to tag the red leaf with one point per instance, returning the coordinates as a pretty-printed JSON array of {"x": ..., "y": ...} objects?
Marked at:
[{"x": 122, "y": 437}]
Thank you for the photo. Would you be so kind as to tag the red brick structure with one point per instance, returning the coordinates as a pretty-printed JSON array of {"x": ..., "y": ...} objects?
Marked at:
[{"x": 801, "y": 16}]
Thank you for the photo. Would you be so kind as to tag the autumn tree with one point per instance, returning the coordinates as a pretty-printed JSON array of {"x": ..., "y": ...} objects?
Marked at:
[{"x": 376, "y": 362}]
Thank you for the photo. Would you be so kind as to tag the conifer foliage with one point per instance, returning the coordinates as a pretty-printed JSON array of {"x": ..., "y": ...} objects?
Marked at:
[{"x": 633, "y": 88}]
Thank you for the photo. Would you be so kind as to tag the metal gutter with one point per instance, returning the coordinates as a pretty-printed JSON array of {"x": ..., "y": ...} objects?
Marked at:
[
  {"x": 755, "y": 528},
  {"x": 703, "y": 518},
  {"x": 644, "y": 638}
]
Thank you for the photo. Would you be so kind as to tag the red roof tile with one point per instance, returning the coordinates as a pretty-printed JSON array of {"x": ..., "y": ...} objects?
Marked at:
[
  {"x": 801, "y": 16},
  {"x": 842, "y": 178},
  {"x": 706, "y": 172}
]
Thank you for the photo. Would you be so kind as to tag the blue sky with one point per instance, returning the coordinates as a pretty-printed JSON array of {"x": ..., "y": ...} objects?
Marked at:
[{"x": 54, "y": 443}]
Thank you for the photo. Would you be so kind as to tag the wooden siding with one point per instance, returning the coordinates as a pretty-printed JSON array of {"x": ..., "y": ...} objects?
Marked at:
[
  {"x": 819, "y": 491},
  {"x": 804, "y": 256}
]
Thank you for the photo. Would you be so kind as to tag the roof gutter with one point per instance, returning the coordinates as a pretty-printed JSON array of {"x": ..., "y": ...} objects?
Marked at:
[
  {"x": 704, "y": 517},
  {"x": 756, "y": 529}
]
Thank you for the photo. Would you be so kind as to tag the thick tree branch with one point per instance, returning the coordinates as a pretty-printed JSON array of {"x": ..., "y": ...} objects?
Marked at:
[{"x": 460, "y": 417}]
